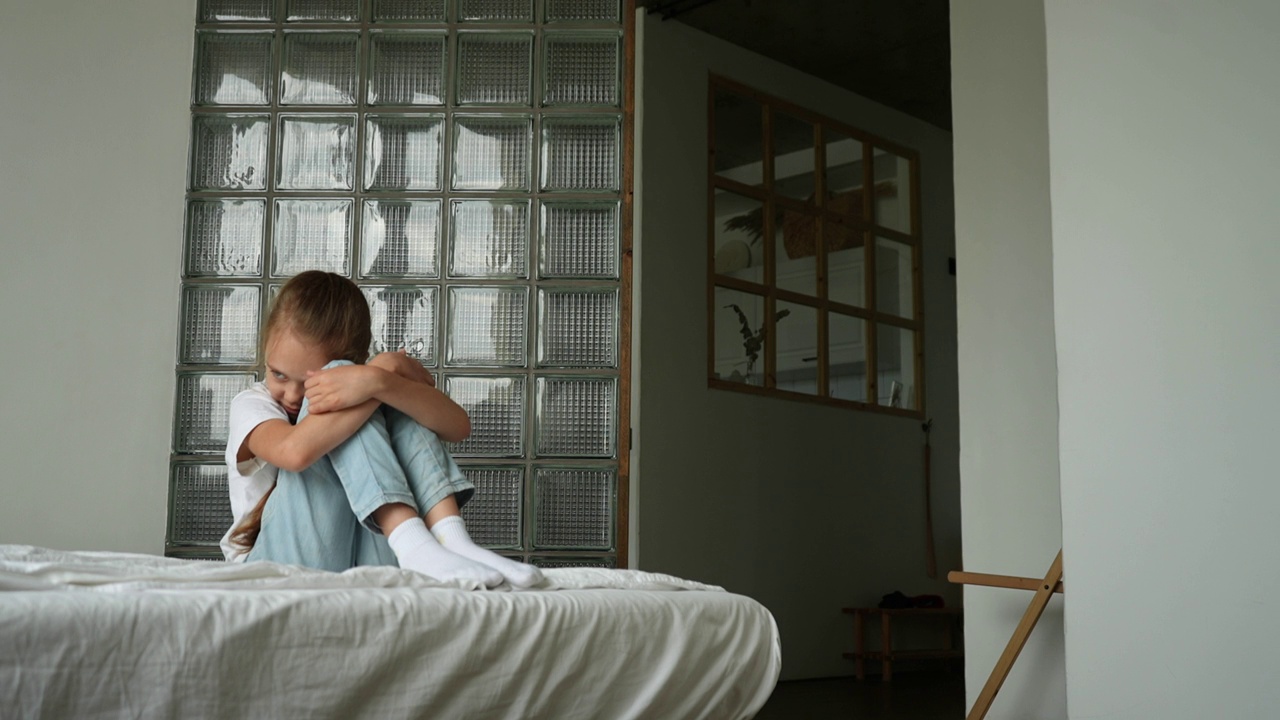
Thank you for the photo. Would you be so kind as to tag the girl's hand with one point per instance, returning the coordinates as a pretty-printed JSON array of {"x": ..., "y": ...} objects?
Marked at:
[
  {"x": 339, "y": 388},
  {"x": 401, "y": 364}
]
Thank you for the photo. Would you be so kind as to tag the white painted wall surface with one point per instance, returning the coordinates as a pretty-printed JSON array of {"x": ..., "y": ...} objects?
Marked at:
[
  {"x": 1163, "y": 118},
  {"x": 1008, "y": 374},
  {"x": 93, "y": 145},
  {"x": 805, "y": 508}
]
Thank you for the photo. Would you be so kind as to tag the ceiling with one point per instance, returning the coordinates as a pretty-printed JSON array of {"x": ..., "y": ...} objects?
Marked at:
[{"x": 895, "y": 52}]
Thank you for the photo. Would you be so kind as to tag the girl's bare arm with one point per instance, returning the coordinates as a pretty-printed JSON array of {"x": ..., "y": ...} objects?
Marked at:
[
  {"x": 394, "y": 379},
  {"x": 296, "y": 447}
]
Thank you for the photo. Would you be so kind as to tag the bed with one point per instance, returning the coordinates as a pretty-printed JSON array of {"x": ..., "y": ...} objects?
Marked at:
[{"x": 91, "y": 634}]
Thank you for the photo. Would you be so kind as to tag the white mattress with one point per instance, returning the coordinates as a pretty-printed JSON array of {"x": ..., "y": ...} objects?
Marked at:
[{"x": 93, "y": 635}]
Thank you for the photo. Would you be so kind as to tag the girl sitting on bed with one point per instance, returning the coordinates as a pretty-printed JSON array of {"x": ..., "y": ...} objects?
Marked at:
[{"x": 334, "y": 462}]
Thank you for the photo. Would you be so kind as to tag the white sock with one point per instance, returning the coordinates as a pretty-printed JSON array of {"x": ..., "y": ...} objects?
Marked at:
[
  {"x": 417, "y": 549},
  {"x": 452, "y": 534}
]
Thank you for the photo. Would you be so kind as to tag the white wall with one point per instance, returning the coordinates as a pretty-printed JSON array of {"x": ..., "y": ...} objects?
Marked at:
[
  {"x": 93, "y": 140},
  {"x": 805, "y": 508},
  {"x": 1008, "y": 372},
  {"x": 1163, "y": 118}
]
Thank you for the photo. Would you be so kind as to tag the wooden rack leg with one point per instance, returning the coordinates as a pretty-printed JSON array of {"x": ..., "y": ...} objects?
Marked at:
[{"x": 1019, "y": 639}]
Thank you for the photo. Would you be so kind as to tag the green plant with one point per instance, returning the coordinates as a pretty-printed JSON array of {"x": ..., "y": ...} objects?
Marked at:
[{"x": 753, "y": 342}]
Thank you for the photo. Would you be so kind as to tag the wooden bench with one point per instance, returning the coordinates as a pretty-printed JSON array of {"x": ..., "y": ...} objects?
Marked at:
[{"x": 887, "y": 654}]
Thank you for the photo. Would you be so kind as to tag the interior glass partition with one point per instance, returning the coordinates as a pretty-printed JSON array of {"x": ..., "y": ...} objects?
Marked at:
[{"x": 466, "y": 162}]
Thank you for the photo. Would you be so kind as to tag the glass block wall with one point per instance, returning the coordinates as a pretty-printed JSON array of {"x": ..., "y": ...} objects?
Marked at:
[{"x": 463, "y": 162}]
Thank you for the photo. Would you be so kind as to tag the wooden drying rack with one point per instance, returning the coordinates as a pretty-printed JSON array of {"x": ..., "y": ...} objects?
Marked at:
[{"x": 1044, "y": 590}]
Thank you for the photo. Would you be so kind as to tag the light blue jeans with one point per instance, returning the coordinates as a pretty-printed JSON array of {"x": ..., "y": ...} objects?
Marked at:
[{"x": 320, "y": 517}]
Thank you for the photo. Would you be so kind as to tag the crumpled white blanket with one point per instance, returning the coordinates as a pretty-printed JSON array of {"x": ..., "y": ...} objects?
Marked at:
[{"x": 28, "y": 568}]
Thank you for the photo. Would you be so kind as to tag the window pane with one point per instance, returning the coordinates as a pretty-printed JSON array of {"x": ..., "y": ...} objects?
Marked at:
[
  {"x": 739, "y": 236},
  {"x": 793, "y": 157},
  {"x": 846, "y": 279},
  {"x": 797, "y": 330},
  {"x": 740, "y": 342},
  {"x": 895, "y": 290},
  {"x": 847, "y": 357},
  {"x": 844, "y": 171},
  {"x": 893, "y": 191},
  {"x": 896, "y": 366},
  {"x": 739, "y": 138},
  {"x": 796, "y": 240}
]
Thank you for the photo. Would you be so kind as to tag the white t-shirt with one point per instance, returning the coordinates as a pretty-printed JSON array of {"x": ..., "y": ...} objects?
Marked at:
[{"x": 248, "y": 481}]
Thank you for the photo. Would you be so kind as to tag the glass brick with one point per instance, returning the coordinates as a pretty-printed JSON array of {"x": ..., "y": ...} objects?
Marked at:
[
  {"x": 204, "y": 409},
  {"x": 233, "y": 68},
  {"x": 319, "y": 68},
  {"x": 576, "y": 11},
  {"x": 511, "y": 11},
  {"x": 496, "y": 406},
  {"x": 323, "y": 10},
  {"x": 236, "y": 10},
  {"x": 581, "y": 154},
  {"x": 407, "y": 68},
  {"x": 311, "y": 235},
  {"x": 488, "y": 326},
  {"x": 220, "y": 324},
  {"x": 403, "y": 152},
  {"x": 492, "y": 152},
  {"x": 224, "y": 237},
  {"x": 400, "y": 238},
  {"x": 424, "y": 11},
  {"x": 578, "y": 327},
  {"x": 573, "y": 562},
  {"x": 582, "y": 69},
  {"x": 404, "y": 318},
  {"x": 199, "y": 506},
  {"x": 494, "y": 513},
  {"x": 229, "y": 152},
  {"x": 489, "y": 238},
  {"x": 316, "y": 152},
  {"x": 495, "y": 68},
  {"x": 576, "y": 417},
  {"x": 579, "y": 240},
  {"x": 574, "y": 508}
]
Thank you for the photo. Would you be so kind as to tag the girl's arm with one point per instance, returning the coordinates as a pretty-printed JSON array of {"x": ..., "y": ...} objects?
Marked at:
[
  {"x": 394, "y": 379},
  {"x": 296, "y": 447}
]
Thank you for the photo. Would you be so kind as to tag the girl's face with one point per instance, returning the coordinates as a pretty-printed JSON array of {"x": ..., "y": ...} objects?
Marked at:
[{"x": 289, "y": 357}]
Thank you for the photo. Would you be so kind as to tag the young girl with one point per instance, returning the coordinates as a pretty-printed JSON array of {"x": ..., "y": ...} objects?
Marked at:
[{"x": 334, "y": 463}]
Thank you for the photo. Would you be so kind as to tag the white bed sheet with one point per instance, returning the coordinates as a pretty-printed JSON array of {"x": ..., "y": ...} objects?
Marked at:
[{"x": 93, "y": 635}]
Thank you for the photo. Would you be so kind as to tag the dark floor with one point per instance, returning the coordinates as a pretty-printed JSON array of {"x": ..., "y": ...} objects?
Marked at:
[{"x": 923, "y": 695}]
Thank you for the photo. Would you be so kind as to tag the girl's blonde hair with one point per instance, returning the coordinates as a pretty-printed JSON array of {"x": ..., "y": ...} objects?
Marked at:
[{"x": 323, "y": 308}]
